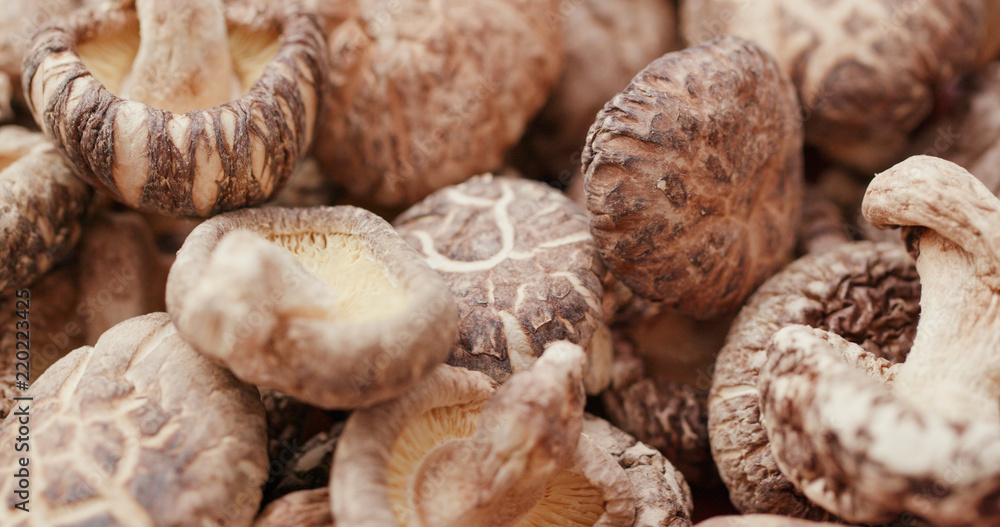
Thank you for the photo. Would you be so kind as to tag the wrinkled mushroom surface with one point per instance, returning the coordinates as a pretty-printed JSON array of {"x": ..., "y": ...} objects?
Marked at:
[
  {"x": 457, "y": 451},
  {"x": 139, "y": 430},
  {"x": 184, "y": 108},
  {"x": 870, "y": 440},
  {"x": 607, "y": 41},
  {"x": 867, "y": 72},
  {"x": 693, "y": 175},
  {"x": 868, "y": 293},
  {"x": 326, "y": 304},
  {"x": 524, "y": 270},
  {"x": 41, "y": 207},
  {"x": 761, "y": 520},
  {"x": 304, "y": 508},
  {"x": 425, "y": 94}
]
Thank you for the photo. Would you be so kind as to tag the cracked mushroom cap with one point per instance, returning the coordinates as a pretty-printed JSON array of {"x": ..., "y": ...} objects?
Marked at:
[
  {"x": 426, "y": 93},
  {"x": 524, "y": 270},
  {"x": 866, "y": 292},
  {"x": 870, "y": 440},
  {"x": 456, "y": 450},
  {"x": 693, "y": 175},
  {"x": 184, "y": 108},
  {"x": 326, "y": 304},
  {"x": 866, "y": 71},
  {"x": 41, "y": 207},
  {"x": 138, "y": 430}
]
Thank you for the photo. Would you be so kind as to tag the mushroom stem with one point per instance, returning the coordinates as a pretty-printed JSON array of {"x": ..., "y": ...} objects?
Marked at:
[
  {"x": 528, "y": 432},
  {"x": 183, "y": 54}
]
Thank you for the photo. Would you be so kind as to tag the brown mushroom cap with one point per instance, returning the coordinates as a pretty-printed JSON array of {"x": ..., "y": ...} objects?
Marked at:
[
  {"x": 304, "y": 508},
  {"x": 180, "y": 153},
  {"x": 139, "y": 430},
  {"x": 456, "y": 449},
  {"x": 607, "y": 41},
  {"x": 326, "y": 304},
  {"x": 761, "y": 520},
  {"x": 866, "y": 71},
  {"x": 694, "y": 177},
  {"x": 425, "y": 94},
  {"x": 866, "y": 292},
  {"x": 869, "y": 440},
  {"x": 6, "y": 96},
  {"x": 524, "y": 270},
  {"x": 41, "y": 207}
]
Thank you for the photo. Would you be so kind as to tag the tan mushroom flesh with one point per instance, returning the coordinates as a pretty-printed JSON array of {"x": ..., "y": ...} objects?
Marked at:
[
  {"x": 41, "y": 207},
  {"x": 870, "y": 440},
  {"x": 326, "y": 304},
  {"x": 866, "y": 292},
  {"x": 304, "y": 508},
  {"x": 693, "y": 175},
  {"x": 138, "y": 430},
  {"x": 186, "y": 108},
  {"x": 457, "y": 451},
  {"x": 524, "y": 270}
]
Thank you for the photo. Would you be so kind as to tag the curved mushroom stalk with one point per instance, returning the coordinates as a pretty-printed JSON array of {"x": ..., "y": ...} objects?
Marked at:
[
  {"x": 529, "y": 431},
  {"x": 869, "y": 441}
]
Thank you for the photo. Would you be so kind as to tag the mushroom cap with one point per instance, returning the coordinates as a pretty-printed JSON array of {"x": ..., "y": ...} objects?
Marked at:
[
  {"x": 869, "y": 440},
  {"x": 198, "y": 163},
  {"x": 388, "y": 462},
  {"x": 139, "y": 430},
  {"x": 337, "y": 310},
  {"x": 6, "y": 96},
  {"x": 866, "y": 71},
  {"x": 425, "y": 93},
  {"x": 866, "y": 292},
  {"x": 41, "y": 210},
  {"x": 606, "y": 42},
  {"x": 524, "y": 270},
  {"x": 304, "y": 508},
  {"x": 761, "y": 520},
  {"x": 694, "y": 177}
]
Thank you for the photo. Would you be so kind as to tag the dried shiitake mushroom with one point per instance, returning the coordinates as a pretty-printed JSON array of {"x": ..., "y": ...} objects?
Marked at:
[
  {"x": 305, "y": 508},
  {"x": 968, "y": 134},
  {"x": 523, "y": 268},
  {"x": 6, "y": 96},
  {"x": 823, "y": 226},
  {"x": 866, "y": 71},
  {"x": 868, "y": 439},
  {"x": 326, "y": 304},
  {"x": 426, "y": 93},
  {"x": 139, "y": 430},
  {"x": 41, "y": 207},
  {"x": 762, "y": 520},
  {"x": 607, "y": 41},
  {"x": 186, "y": 108},
  {"x": 693, "y": 177},
  {"x": 865, "y": 292},
  {"x": 456, "y": 451}
]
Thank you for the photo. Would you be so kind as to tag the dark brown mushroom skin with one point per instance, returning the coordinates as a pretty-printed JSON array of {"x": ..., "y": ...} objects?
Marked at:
[
  {"x": 868, "y": 293},
  {"x": 694, "y": 176},
  {"x": 510, "y": 309}
]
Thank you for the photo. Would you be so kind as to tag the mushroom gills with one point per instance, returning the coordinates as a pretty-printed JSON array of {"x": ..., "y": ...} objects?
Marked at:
[
  {"x": 110, "y": 54},
  {"x": 569, "y": 498},
  {"x": 363, "y": 289}
]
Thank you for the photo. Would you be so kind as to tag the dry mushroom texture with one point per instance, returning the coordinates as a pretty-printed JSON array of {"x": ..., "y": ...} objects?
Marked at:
[
  {"x": 326, "y": 304},
  {"x": 870, "y": 440},
  {"x": 866, "y": 71},
  {"x": 139, "y": 430},
  {"x": 185, "y": 108},
  {"x": 457, "y": 451},
  {"x": 607, "y": 41},
  {"x": 694, "y": 177},
  {"x": 425, "y": 94},
  {"x": 41, "y": 207},
  {"x": 305, "y": 508},
  {"x": 865, "y": 292},
  {"x": 523, "y": 268}
]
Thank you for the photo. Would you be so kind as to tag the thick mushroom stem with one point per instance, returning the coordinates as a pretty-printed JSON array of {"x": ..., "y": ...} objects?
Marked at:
[
  {"x": 529, "y": 431},
  {"x": 951, "y": 220},
  {"x": 183, "y": 56}
]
